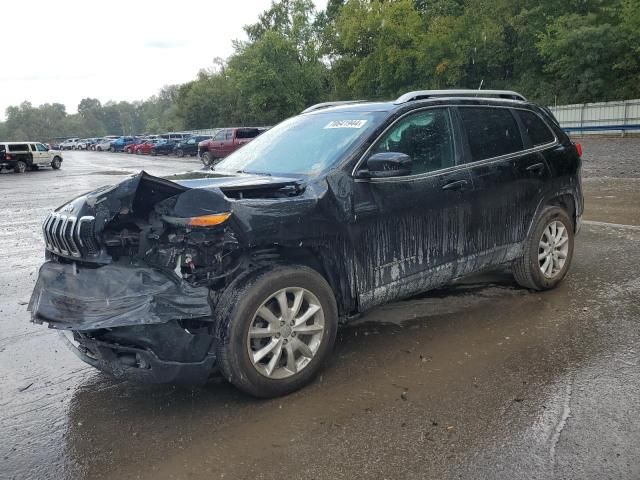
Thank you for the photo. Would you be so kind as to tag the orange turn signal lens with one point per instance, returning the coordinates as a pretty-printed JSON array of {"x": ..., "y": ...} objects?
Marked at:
[{"x": 208, "y": 220}]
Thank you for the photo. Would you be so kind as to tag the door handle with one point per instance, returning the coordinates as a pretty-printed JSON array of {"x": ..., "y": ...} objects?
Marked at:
[
  {"x": 456, "y": 185},
  {"x": 536, "y": 167}
]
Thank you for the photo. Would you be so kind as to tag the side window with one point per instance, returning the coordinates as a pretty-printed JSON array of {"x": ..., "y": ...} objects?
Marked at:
[
  {"x": 219, "y": 135},
  {"x": 538, "y": 132},
  {"x": 191, "y": 141},
  {"x": 228, "y": 135},
  {"x": 33, "y": 147},
  {"x": 41, "y": 147},
  {"x": 425, "y": 136},
  {"x": 491, "y": 132}
]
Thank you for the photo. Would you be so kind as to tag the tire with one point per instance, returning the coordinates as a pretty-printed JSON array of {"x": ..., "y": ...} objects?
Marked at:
[
  {"x": 21, "y": 166},
  {"x": 237, "y": 311},
  {"x": 206, "y": 159},
  {"x": 153, "y": 152},
  {"x": 56, "y": 163},
  {"x": 527, "y": 270},
  {"x": 180, "y": 153},
  {"x": 112, "y": 149},
  {"x": 99, "y": 149}
]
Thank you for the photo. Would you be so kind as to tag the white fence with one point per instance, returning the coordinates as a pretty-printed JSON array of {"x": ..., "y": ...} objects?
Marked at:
[{"x": 604, "y": 117}]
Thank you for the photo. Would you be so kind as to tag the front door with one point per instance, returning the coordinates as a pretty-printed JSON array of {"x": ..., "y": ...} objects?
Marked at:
[
  {"x": 44, "y": 157},
  {"x": 410, "y": 232}
]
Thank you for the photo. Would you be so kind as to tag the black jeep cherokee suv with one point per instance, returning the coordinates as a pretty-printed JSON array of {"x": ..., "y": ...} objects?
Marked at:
[{"x": 250, "y": 267}]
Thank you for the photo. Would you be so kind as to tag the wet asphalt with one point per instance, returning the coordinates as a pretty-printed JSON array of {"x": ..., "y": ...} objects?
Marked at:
[{"x": 481, "y": 379}]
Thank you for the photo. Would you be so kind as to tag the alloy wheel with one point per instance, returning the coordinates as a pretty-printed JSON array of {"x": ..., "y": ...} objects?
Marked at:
[
  {"x": 285, "y": 333},
  {"x": 553, "y": 249}
]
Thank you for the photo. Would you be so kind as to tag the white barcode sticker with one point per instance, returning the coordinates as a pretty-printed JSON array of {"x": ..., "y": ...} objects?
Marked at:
[{"x": 346, "y": 124}]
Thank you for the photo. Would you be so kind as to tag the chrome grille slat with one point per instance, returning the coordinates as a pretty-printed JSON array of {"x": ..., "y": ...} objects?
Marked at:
[
  {"x": 69, "y": 234},
  {"x": 54, "y": 235},
  {"x": 64, "y": 249},
  {"x": 45, "y": 231}
]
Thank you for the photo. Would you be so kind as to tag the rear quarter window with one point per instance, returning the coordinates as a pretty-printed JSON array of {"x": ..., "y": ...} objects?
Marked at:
[
  {"x": 491, "y": 132},
  {"x": 538, "y": 131},
  {"x": 19, "y": 147},
  {"x": 247, "y": 133}
]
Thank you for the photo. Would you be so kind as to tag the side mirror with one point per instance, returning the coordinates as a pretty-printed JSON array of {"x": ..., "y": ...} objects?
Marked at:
[{"x": 388, "y": 164}]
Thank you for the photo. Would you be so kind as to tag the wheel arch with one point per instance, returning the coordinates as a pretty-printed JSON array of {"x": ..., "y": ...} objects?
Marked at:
[
  {"x": 566, "y": 199},
  {"x": 315, "y": 258}
]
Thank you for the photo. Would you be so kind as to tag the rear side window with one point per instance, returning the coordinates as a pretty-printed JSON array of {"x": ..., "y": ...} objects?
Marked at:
[
  {"x": 247, "y": 133},
  {"x": 539, "y": 133},
  {"x": 19, "y": 147},
  {"x": 491, "y": 131}
]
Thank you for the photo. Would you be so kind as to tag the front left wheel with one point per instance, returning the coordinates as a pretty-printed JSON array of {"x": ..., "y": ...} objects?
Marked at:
[
  {"x": 277, "y": 329},
  {"x": 56, "y": 163}
]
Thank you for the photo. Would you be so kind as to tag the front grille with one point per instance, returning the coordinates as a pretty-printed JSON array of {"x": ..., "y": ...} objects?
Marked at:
[{"x": 70, "y": 236}]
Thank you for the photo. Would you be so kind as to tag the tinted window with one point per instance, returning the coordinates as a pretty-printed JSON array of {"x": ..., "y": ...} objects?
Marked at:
[
  {"x": 426, "y": 137},
  {"x": 247, "y": 133},
  {"x": 538, "y": 132},
  {"x": 20, "y": 147},
  {"x": 33, "y": 147},
  {"x": 491, "y": 131},
  {"x": 228, "y": 135}
]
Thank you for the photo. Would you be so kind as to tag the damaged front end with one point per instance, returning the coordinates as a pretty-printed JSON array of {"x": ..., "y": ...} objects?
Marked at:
[{"x": 130, "y": 273}]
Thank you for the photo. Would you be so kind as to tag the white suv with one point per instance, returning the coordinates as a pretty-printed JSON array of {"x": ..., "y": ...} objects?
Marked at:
[
  {"x": 23, "y": 156},
  {"x": 70, "y": 144}
]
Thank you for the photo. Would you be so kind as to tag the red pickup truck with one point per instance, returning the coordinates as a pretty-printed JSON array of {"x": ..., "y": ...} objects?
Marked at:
[{"x": 226, "y": 141}]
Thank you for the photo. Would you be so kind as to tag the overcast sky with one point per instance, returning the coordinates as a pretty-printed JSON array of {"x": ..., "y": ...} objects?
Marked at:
[{"x": 62, "y": 51}]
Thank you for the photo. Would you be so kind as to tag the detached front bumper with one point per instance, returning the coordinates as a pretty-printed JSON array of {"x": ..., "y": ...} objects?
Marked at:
[
  {"x": 138, "y": 363},
  {"x": 129, "y": 321}
]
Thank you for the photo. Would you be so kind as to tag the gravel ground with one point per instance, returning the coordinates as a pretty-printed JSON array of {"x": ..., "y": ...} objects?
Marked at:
[{"x": 610, "y": 156}]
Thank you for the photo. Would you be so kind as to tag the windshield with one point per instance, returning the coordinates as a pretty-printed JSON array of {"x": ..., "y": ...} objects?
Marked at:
[{"x": 306, "y": 144}]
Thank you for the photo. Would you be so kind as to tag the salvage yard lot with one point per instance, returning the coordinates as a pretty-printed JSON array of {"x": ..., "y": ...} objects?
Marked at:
[{"x": 478, "y": 380}]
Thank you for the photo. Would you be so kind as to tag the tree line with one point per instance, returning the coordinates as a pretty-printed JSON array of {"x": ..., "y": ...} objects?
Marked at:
[{"x": 552, "y": 51}]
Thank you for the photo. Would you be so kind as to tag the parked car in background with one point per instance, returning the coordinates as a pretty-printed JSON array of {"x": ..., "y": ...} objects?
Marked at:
[
  {"x": 131, "y": 148},
  {"x": 69, "y": 144},
  {"x": 189, "y": 146},
  {"x": 23, "y": 156},
  {"x": 226, "y": 141},
  {"x": 163, "y": 147},
  {"x": 145, "y": 148},
  {"x": 84, "y": 143},
  {"x": 175, "y": 137},
  {"x": 103, "y": 145},
  {"x": 119, "y": 144}
]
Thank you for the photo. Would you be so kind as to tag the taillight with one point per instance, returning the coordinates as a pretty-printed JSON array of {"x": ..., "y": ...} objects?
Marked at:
[
  {"x": 8, "y": 157},
  {"x": 578, "y": 149}
]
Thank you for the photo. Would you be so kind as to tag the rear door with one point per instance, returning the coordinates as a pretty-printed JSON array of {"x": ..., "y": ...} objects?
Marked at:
[
  {"x": 508, "y": 177},
  {"x": 411, "y": 231}
]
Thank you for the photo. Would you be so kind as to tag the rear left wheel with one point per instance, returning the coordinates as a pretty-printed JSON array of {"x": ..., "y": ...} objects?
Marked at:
[
  {"x": 277, "y": 328},
  {"x": 20, "y": 167},
  {"x": 548, "y": 251}
]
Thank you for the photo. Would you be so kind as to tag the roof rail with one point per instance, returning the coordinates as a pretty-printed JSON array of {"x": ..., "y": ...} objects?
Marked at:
[
  {"x": 320, "y": 106},
  {"x": 424, "y": 94}
]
